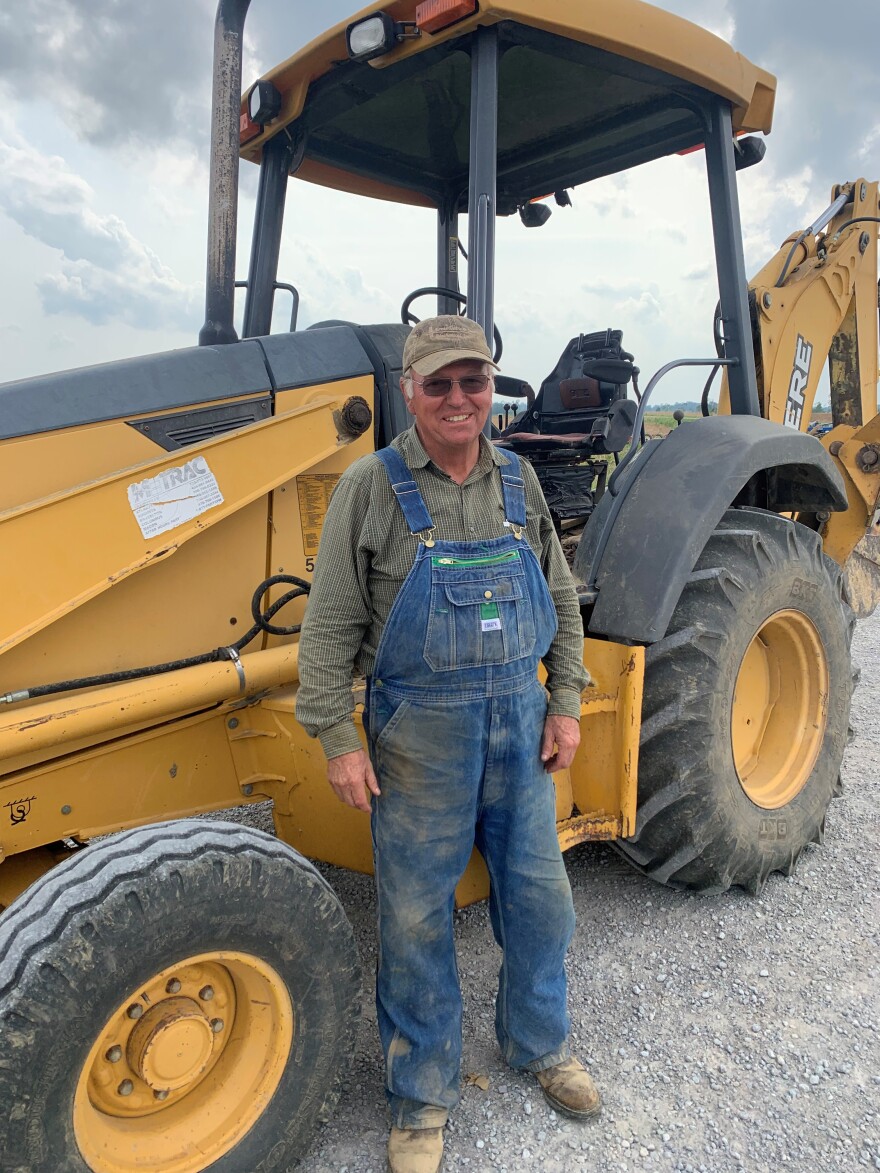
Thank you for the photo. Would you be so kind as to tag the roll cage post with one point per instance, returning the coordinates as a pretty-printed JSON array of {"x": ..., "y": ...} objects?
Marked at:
[
  {"x": 281, "y": 155},
  {"x": 483, "y": 172},
  {"x": 223, "y": 192},
  {"x": 447, "y": 253},
  {"x": 730, "y": 262}
]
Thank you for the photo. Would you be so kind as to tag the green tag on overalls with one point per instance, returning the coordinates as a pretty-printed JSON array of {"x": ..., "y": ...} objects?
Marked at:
[{"x": 490, "y": 619}]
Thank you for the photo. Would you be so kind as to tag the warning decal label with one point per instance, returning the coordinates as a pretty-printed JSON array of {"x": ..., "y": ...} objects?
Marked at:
[
  {"x": 314, "y": 497},
  {"x": 174, "y": 497}
]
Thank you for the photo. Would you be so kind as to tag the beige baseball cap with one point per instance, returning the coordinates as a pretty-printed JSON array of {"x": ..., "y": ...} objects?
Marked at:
[{"x": 434, "y": 342}]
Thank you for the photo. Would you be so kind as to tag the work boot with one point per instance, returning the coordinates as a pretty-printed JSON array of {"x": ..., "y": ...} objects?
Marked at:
[
  {"x": 415, "y": 1150},
  {"x": 569, "y": 1089}
]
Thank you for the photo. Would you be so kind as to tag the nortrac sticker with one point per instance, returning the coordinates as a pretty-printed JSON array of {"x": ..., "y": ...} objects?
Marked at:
[{"x": 174, "y": 497}]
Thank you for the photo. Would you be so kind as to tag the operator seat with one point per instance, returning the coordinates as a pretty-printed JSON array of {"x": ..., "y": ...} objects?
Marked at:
[{"x": 576, "y": 413}]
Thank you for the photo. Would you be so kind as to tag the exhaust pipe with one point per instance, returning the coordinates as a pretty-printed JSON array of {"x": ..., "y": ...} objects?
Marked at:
[{"x": 223, "y": 194}]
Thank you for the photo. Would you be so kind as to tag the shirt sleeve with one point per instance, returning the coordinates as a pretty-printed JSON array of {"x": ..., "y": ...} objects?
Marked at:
[
  {"x": 337, "y": 616},
  {"x": 566, "y": 675}
]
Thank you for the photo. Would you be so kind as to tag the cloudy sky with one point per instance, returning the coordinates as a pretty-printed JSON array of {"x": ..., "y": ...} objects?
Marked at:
[{"x": 104, "y": 119}]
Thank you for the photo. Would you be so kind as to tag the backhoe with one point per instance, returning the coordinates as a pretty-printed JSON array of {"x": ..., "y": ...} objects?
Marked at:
[{"x": 180, "y": 994}]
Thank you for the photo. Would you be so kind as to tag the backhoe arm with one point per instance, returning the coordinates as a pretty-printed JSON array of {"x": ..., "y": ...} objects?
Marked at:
[{"x": 817, "y": 301}]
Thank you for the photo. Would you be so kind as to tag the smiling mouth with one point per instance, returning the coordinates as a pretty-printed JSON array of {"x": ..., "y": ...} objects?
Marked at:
[{"x": 456, "y": 419}]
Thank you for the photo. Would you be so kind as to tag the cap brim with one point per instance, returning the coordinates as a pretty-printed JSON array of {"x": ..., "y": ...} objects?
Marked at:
[{"x": 441, "y": 358}]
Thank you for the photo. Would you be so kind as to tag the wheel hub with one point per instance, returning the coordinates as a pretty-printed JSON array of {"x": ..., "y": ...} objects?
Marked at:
[
  {"x": 780, "y": 709},
  {"x": 171, "y": 1045},
  {"x": 184, "y": 1067}
]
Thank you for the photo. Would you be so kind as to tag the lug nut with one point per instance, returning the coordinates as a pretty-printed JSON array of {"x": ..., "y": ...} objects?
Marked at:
[
  {"x": 216, "y": 1025},
  {"x": 161, "y": 1095},
  {"x": 114, "y": 1055},
  {"x": 125, "y": 1088},
  {"x": 135, "y": 1010},
  {"x": 173, "y": 987},
  {"x": 206, "y": 993}
]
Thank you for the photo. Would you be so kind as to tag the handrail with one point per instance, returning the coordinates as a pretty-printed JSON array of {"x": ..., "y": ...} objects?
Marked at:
[
  {"x": 291, "y": 289},
  {"x": 646, "y": 395}
]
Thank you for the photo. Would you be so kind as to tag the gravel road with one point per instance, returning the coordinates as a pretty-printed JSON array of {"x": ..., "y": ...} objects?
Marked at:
[{"x": 726, "y": 1033}]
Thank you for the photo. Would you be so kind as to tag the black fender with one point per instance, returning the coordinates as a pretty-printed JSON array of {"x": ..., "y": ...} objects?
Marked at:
[{"x": 641, "y": 544}]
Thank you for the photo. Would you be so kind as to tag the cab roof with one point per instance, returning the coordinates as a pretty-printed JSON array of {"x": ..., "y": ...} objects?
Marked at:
[{"x": 584, "y": 90}]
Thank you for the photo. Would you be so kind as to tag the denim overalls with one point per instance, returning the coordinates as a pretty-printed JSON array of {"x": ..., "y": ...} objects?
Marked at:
[{"x": 455, "y": 718}]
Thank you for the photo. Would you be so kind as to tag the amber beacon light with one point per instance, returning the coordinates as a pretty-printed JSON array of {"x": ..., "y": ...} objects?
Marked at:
[{"x": 434, "y": 15}]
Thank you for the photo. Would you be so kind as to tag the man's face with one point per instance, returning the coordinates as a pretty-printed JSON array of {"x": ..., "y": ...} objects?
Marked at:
[{"x": 454, "y": 420}]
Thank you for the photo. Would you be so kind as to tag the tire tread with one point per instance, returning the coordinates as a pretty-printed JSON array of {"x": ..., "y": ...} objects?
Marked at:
[{"x": 677, "y": 834}]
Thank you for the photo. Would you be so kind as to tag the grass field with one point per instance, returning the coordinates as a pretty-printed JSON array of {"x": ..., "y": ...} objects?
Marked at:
[
  {"x": 658, "y": 423},
  {"x": 665, "y": 420}
]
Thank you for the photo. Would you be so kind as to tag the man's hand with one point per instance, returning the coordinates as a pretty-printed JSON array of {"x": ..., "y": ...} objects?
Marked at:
[
  {"x": 351, "y": 776},
  {"x": 565, "y": 734}
]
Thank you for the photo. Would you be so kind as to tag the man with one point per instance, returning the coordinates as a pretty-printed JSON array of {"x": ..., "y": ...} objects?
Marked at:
[{"x": 440, "y": 578}]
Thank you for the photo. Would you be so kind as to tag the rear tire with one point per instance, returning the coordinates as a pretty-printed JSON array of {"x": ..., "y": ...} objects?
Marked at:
[
  {"x": 711, "y": 813},
  {"x": 201, "y": 953}
]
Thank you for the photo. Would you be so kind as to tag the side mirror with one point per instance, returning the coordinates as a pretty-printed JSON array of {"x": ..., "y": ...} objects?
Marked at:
[
  {"x": 609, "y": 370},
  {"x": 534, "y": 215},
  {"x": 748, "y": 151}
]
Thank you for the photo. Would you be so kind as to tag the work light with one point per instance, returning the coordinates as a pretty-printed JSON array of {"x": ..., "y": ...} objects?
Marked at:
[
  {"x": 264, "y": 103},
  {"x": 371, "y": 37}
]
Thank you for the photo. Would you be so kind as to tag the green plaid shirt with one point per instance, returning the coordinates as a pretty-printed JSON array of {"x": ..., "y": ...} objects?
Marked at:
[{"x": 367, "y": 551}]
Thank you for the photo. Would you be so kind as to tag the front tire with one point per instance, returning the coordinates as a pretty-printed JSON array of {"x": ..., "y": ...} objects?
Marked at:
[
  {"x": 177, "y": 998},
  {"x": 746, "y": 710}
]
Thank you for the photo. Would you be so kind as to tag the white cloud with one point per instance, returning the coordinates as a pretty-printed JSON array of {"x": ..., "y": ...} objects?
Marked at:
[
  {"x": 118, "y": 72},
  {"x": 644, "y": 308},
  {"x": 870, "y": 148},
  {"x": 613, "y": 289},
  {"x": 105, "y": 273}
]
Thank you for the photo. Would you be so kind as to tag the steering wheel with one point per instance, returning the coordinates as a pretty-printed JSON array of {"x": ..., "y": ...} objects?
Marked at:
[{"x": 440, "y": 290}]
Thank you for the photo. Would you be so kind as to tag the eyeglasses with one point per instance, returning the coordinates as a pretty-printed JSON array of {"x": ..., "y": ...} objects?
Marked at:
[{"x": 470, "y": 385}]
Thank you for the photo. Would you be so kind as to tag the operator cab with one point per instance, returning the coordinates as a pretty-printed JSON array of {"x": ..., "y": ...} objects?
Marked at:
[{"x": 488, "y": 110}]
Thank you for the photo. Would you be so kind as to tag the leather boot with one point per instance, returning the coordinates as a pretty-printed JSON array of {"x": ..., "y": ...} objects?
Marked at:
[
  {"x": 415, "y": 1150},
  {"x": 569, "y": 1089}
]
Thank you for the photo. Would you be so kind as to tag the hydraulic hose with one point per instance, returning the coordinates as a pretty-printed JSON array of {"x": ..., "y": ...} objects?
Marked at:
[{"x": 262, "y": 623}]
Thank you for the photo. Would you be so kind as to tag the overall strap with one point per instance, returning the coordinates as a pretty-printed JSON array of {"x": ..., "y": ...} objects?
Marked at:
[
  {"x": 406, "y": 491},
  {"x": 513, "y": 490}
]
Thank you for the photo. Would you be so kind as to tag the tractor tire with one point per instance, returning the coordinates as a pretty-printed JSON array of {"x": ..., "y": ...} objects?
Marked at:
[
  {"x": 180, "y": 997},
  {"x": 746, "y": 710}
]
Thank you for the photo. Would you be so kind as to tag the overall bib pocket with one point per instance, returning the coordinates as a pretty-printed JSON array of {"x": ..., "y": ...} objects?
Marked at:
[{"x": 478, "y": 616}]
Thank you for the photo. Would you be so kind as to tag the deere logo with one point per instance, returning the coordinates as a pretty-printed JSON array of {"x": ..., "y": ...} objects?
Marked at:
[{"x": 797, "y": 387}]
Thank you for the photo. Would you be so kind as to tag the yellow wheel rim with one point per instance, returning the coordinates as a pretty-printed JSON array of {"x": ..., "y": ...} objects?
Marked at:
[
  {"x": 780, "y": 709},
  {"x": 185, "y": 1066}
]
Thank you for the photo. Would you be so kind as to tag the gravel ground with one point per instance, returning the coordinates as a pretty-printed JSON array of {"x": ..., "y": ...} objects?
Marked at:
[{"x": 727, "y": 1033}]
